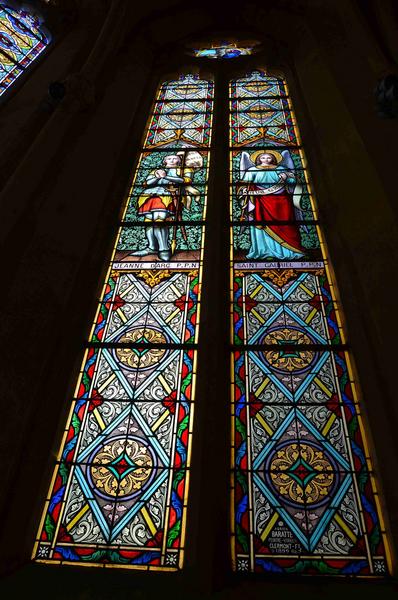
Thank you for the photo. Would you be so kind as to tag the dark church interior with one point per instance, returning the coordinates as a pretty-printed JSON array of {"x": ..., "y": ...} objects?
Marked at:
[{"x": 71, "y": 133}]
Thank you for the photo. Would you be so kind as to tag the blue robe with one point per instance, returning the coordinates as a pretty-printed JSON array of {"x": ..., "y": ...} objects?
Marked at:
[{"x": 263, "y": 244}]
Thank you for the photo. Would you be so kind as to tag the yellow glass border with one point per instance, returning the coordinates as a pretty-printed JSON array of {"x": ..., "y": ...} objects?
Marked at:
[
  {"x": 180, "y": 551},
  {"x": 350, "y": 369}
]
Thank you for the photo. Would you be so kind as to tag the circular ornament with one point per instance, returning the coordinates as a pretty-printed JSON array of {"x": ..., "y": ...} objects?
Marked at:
[
  {"x": 145, "y": 357},
  {"x": 122, "y": 467},
  {"x": 288, "y": 356},
  {"x": 302, "y": 474}
]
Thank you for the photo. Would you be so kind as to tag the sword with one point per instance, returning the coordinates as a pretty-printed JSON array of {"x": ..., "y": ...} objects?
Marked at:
[{"x": 176, "y": 193}]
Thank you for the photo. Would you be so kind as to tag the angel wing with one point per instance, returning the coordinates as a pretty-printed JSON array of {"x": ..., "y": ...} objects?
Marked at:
[
  {"x": 296, "y": 189},
  {"x": 287, "y": 161},
  {"x": 245, "y": 164}
]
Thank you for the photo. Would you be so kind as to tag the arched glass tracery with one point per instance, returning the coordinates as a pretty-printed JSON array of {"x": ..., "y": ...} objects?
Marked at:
[
  {"x": 119, "y": 490},
  {"x": 304, "y": 493},
  {"x": 22, "y": 40}
]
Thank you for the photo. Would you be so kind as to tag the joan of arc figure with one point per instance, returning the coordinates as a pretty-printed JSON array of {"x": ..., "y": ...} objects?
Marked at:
[{"x": 167, "y": 190}]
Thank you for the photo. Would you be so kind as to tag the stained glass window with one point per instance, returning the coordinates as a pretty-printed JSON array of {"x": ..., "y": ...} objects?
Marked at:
[
  {"x": 224, "y": 50},
  {"x": 119, "y": 490},
  {"x": 304, "y": 493},
  {"x": 22, "y": 39}
]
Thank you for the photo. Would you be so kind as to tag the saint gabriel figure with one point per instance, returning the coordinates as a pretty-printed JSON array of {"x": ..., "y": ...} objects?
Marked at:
[
  {"x": 168, "y": 190},
  {"x": 269, "y": 193}
]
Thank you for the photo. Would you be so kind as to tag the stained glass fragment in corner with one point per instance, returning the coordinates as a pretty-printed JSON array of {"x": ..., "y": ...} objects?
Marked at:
[{"x": 22, "y": 40}]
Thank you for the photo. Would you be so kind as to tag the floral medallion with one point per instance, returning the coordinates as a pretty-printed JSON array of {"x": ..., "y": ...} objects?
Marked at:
[
  {"x": 288, "y": 354},
  {"x": 302, "y": 474},
  {"x": 145, "y": 356},
  {"x": 122, "y": 467}
]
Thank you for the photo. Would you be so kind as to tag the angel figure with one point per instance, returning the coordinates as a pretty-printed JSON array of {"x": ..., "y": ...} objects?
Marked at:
[
  {"x": 167, "y": 191},
  {"x": 269, "y": 194}
]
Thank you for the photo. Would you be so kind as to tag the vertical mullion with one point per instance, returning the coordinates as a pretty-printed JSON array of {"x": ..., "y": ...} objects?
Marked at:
[{"x": 209, "y": 510}]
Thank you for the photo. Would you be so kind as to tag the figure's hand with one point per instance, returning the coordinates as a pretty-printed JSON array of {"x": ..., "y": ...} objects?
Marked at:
[
  {"x": 242, "y": 203},
  {"x": 283, "y": 176},
  {"x": 160, "y": 173},
  {"x": 242, "y": 191}
]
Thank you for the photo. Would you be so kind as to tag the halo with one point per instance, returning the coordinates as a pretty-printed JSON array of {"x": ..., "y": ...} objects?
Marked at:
[{"x": 275, "y": 153}]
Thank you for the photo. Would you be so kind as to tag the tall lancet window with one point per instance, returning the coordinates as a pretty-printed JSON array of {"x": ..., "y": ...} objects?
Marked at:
[
  {"x": 119, "y": 491},
  {"x": 22, "y": 40},
  {"x": 303, "y": 486},
  {"x": 304, "y": 494}
]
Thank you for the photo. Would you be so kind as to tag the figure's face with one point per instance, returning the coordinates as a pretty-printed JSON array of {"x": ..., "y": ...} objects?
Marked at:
[
  {"x": 266, "y": 159},
  {"x": 172, "y": 161},
  {"x": 192, "y": 161}
]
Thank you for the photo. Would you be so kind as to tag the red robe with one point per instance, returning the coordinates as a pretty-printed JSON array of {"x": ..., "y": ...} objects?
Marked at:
[{"x": 277, "y": 207}]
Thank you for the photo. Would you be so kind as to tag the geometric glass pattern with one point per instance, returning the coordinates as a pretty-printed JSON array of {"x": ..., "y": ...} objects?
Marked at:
[
  {"x": 303, "y": 486},
  {"x": 118, "y": 495},
  {"x": 21, "y": 41}
]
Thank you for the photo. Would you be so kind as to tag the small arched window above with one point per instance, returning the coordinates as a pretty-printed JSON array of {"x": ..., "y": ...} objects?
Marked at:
[{"x": 22, "y": 40}]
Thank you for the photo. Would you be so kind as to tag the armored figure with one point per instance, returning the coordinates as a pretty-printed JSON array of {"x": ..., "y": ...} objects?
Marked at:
[{"x": 167, "y": 191}]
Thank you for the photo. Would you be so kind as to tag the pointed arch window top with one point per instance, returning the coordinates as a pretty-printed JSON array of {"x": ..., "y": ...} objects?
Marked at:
[
  {"x": 186, "y": 88},
  {"x": 259, "y": 85}
]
